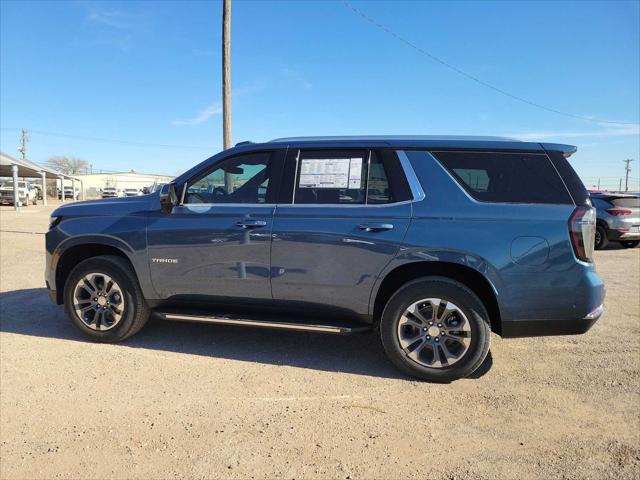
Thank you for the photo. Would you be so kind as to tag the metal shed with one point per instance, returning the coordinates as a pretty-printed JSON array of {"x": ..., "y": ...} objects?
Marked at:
[{"x": 15, "y": 168}]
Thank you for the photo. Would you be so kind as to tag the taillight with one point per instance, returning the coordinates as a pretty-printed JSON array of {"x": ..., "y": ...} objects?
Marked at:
[
  {"x": 619, "y": 211},
  {"x": 582, "y": 231}
]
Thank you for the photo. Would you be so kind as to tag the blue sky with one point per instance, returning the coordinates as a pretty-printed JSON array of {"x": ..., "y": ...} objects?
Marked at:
[{"x": 149, "y": 72}]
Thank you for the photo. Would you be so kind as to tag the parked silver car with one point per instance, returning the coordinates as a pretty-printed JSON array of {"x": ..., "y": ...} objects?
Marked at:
[{"x": 618, "y": 219}]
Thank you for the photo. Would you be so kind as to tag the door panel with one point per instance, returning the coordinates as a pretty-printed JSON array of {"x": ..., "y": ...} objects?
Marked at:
[
  {"x": 217, "y": 243},
  {"x": 203, "y": 250},
  {"x": 321, "y": 255}
]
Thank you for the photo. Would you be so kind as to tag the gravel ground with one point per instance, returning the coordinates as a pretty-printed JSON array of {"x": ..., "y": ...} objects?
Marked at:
[{"x": 199, "y": 401}]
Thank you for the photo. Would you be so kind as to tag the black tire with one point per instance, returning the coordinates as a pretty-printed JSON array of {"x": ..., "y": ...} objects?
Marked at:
[
  {"x": 601, "y": 240},
  {"x": 630, "y": 243},
  {"x": 445, "y": 289},
  {"x": 135, "y": 313}
]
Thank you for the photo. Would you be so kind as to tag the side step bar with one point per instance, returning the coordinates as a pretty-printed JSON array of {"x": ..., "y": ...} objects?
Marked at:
[{"x": 334, "y": 328}]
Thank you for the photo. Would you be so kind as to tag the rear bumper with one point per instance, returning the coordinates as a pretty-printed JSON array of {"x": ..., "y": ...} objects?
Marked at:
[{"x": 539, "y": 328}]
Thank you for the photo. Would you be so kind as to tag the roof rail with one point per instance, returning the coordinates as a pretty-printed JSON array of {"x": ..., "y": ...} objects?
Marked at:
[{"x": 246, "y": 142}]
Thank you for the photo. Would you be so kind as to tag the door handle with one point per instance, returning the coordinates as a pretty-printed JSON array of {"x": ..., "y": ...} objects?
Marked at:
[
  {"x": 251, "y": 223},
  {"x": 375, "y": 227}
]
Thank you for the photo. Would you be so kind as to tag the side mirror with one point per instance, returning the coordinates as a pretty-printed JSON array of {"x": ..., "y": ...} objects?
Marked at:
[{"x": 169, "y": 197}]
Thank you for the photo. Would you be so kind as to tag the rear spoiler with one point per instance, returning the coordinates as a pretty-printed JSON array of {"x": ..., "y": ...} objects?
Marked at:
[{"x": 566, "y": 150}]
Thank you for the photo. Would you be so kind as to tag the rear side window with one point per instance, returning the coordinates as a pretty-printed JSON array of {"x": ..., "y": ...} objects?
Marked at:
[
  {"x": 506, "y": 177},
  {"x": 349, "y": 177},
  {"x": 570, "y": 177}
]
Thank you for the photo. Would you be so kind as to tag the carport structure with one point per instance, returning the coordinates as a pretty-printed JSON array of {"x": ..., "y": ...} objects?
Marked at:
[{"x": 15, "y": 168}]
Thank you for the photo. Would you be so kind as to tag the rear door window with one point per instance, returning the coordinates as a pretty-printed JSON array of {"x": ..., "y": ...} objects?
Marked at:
[
  {"x": 506, "y": 177},
  {"x": 347, "y": 177}
]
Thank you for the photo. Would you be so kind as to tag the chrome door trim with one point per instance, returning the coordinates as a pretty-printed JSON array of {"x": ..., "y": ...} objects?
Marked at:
[{"x": 414, "y": 184}]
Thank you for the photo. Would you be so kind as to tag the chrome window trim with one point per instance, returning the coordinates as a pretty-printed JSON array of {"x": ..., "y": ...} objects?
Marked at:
[
  {"x": 236, "y": 205},
  {"x": 417, "y": 191}
]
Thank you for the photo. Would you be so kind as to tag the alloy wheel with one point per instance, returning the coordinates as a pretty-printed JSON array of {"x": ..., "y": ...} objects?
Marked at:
[
  {"x": 98, "y": 301},
  {"x": 434, "y": 333}
]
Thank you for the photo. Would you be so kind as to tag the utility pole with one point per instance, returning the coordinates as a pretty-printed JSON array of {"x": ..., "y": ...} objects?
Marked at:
[
  {"x": 226, "y": 86},
  {"x": 627, "y": 170},
  {"x": 226, "y": 73},
  {"x": 24, "y": 138}
]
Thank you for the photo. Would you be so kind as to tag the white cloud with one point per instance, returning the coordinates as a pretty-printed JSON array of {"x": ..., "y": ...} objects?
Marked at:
[
  {"x": 216, "y": 107},
  {"x": 203, "y": 116},
  {"x": 607, "y": 131}
]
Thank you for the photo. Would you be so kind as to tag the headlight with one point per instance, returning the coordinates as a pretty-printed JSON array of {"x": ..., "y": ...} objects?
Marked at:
[{"x": 54, "y": 221}]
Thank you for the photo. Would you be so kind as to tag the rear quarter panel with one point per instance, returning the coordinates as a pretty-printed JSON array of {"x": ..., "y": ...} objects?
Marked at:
[{"x": 523, "y": 250}]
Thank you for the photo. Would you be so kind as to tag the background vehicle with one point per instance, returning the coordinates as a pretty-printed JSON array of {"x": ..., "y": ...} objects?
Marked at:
[
  {"x": 38, "y": 190},
  {"x": 432, "y": 242},
  {"x": 69, "y": 193},
  {"x": 618, "y": 219},
  {"x": 131, "y": 192},
  {"x": 110, "y": 192},
  {"x": 26, "y": 193}
]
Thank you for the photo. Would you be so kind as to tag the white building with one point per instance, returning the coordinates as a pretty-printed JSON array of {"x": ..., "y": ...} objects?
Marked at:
[{"x": 93, "y": 183}]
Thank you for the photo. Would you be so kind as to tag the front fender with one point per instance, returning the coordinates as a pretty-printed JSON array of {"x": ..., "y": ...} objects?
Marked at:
[{"x": 126, "y": 234}]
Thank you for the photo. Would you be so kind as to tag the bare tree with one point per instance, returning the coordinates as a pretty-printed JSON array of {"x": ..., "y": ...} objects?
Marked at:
[{"x": 68, "y": 165}]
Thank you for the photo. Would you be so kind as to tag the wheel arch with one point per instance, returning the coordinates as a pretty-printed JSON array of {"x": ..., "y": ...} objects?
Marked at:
[
  {"x": 74, "y": 254},
  {"x": 466, "y": 275}
]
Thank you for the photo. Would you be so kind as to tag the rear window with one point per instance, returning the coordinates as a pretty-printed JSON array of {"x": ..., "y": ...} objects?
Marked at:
[
  {"x": 506, "y": 177},
  {"x": 626, "y": 202}
]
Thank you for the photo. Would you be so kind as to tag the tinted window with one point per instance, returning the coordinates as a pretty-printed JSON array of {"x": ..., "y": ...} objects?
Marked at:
[
  {"x": 381, "y": 185},
  {"x": 506, "y": 177},
  {"x": 600, "y": 203},
  {"x": 570, "y": 177},
  {"x": 241, "y": 179}
]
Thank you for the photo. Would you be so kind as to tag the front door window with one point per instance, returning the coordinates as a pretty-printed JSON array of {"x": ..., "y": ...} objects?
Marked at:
[{"x": 241, "y": 179}]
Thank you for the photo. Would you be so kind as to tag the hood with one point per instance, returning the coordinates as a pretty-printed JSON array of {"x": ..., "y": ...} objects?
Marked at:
[{"x": 115, "y": 206}]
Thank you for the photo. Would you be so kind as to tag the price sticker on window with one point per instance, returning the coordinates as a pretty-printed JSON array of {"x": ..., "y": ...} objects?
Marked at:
[{"x": 342, "y": 173}]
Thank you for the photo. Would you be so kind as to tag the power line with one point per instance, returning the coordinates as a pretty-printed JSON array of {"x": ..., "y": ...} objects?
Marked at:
[
  {"x": 472, "y": 77},
  {"x": 110, "y": 140}
]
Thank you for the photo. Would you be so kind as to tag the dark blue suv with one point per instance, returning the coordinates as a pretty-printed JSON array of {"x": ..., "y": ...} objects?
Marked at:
[{"x": 432, "y": 242}]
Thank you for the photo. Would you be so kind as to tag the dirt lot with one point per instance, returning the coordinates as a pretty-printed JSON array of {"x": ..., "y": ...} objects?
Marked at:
[{"x": 188, "y": 400}]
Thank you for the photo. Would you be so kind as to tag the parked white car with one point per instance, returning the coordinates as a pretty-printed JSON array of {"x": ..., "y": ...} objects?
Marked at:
[
  {"x": 110, "y": 192},
  {"x": 131, "y": 192},
  {"x": 69, "y": 193},
  {"x": 26, "y": 193}
]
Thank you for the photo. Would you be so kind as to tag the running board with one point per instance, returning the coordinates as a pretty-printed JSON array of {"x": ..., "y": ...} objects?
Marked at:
[{"x": 337, "y": 328}]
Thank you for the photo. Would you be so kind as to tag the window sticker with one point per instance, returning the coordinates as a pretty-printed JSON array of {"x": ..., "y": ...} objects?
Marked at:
[{"x": 331, "y": 173}]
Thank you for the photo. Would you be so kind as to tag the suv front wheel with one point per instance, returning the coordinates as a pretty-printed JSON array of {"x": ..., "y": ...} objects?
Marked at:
[
  {"x": 435, "y": 329},
  {"x": 103, "y": 299}
]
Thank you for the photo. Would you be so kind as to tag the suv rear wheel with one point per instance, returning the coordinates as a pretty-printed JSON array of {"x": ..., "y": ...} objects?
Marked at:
[
  {"x": 435, "y": 329},
  {"x": 103, "y": 299}
]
